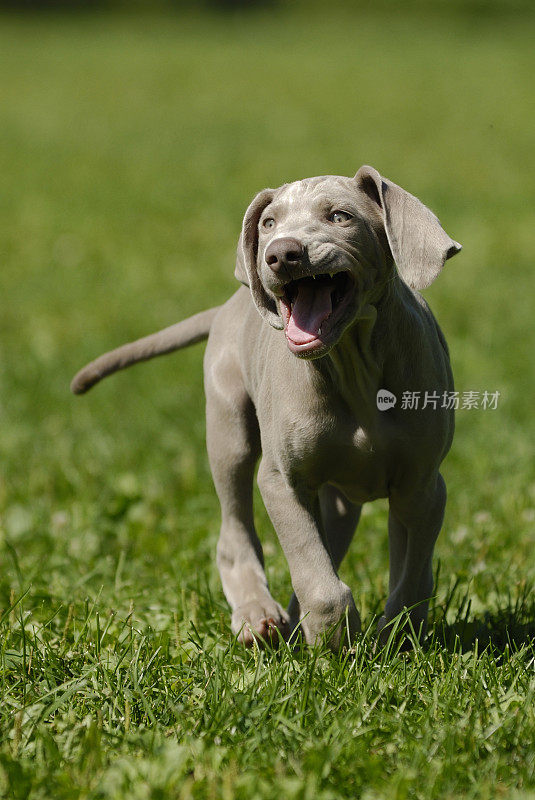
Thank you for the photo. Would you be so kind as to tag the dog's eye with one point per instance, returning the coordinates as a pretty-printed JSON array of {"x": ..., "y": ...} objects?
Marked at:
[
  {"x": 339, "y": 216},
  {"x": 269, "y": 222}
]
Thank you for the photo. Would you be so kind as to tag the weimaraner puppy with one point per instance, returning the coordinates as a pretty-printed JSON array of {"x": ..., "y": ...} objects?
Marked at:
[{"x": 327, "y": 317}]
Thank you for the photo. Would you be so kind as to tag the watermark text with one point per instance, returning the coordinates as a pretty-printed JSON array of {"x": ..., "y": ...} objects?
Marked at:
[{"x": 414, "y": 401}]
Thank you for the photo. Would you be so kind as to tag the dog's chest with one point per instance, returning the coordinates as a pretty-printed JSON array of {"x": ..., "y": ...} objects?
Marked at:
[{"x": 330, "y": 446}]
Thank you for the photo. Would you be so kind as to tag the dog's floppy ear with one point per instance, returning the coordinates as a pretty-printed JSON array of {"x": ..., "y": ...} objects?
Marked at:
[
  {"x": 419, "y": 244},
  {"x": 246, "y": 267}
]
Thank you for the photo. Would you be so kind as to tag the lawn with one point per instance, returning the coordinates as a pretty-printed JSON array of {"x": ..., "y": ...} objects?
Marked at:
[{"x": 130, "y": 147}]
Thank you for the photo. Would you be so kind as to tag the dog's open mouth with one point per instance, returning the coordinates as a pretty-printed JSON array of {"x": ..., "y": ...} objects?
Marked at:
[{"x": 311, "y": 308}]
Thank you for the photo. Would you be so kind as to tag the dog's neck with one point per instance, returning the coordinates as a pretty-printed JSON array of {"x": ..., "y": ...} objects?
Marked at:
[{"x": 355, "y": 366}]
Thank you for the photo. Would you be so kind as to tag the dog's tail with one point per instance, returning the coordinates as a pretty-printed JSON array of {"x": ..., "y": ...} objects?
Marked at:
[{"x": 189, "y": 331}]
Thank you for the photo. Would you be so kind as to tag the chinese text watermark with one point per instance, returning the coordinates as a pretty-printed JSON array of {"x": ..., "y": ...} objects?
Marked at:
[{"x": 413, "y": 401}]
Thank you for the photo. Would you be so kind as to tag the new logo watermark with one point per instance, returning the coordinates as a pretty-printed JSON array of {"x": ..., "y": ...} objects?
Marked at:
[
  {"x": 412, "y": 401},
  {"x": 385, "y": 400}
]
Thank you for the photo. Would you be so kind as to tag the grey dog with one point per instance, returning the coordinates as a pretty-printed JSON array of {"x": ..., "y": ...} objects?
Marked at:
[{"x": 328, "y": 317}]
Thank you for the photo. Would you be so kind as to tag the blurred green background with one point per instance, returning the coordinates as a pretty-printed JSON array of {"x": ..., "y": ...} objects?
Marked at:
[{"x": 130, "y": 146}]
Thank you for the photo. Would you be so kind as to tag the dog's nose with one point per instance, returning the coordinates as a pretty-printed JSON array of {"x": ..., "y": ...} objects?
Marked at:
[{"x": 284, "y": 253}]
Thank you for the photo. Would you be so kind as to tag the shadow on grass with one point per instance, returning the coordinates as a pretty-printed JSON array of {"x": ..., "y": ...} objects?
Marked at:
[{"x": 509, "y": 626}]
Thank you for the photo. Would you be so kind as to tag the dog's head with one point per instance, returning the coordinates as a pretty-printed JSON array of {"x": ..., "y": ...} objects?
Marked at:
[{"x": 316, "y": 251}]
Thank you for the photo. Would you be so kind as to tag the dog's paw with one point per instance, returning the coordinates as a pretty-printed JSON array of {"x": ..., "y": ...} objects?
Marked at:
[
  {"x": 334, "y": 615},
  {"x": 260, "y": 622}
]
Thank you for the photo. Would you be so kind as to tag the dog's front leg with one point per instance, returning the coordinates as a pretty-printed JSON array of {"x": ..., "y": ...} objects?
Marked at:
[
  {"x": 323, "y": 598},
  {"x": 414, "y": 523},
  {"x": 339, "y": 517},
  {"x": 233, "y": 441}
]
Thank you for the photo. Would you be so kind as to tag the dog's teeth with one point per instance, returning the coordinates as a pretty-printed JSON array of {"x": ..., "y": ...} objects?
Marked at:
[{"x": 319, "y": 331}]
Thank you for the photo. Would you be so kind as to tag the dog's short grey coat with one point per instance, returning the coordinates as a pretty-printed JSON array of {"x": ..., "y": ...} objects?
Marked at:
[{"x": 309, "y": 409}]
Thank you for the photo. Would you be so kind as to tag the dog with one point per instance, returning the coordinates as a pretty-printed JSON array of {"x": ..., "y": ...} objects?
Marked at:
[{"x": 328, "y": 321}]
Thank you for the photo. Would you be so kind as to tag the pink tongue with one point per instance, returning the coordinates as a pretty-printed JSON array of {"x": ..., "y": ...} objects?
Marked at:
[{"x": 309, "y": 309}]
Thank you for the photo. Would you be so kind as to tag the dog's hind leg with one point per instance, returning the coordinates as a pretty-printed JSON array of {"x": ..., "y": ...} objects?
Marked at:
[
  {"x": 340, "y": 519},
  {"x": 413, "y": 529},
  {"x": 233, "y": 442}
]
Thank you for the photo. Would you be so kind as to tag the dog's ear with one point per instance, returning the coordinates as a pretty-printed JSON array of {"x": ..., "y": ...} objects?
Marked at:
[
  {"x": 246, "y": 260},
  {"x": 419, "y": 244}
]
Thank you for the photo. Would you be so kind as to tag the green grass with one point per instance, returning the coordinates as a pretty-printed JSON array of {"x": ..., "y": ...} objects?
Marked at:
[{"x": 129, "y": 149}]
